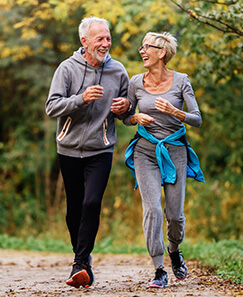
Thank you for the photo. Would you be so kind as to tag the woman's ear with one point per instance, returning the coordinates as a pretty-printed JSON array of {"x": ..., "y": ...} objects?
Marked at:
[{"x": 162, "y": 54}]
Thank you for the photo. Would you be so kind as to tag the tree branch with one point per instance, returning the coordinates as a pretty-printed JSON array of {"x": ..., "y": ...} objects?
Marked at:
[
  {"x": 233, "y": 29},
  {"x": 220, "y": 3},
  {"x": 198, "y": 17}
]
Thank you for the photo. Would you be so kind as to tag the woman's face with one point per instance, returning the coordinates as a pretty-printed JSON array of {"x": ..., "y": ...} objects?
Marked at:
[{"x": 150, "y": 54}]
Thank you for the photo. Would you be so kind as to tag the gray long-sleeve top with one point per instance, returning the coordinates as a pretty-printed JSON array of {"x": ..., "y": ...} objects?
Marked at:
[{"x": 181, "y": 91}]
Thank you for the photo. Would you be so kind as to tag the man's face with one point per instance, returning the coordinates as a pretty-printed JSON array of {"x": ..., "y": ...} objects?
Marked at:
[{"x": 97, "y": 44}]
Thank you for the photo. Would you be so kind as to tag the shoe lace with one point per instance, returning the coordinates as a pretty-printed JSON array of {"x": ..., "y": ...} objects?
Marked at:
[
  {"x": 81, "y": 265},
  {"x": 176, "y": 259},
  {"x": 159, "y": 273}
]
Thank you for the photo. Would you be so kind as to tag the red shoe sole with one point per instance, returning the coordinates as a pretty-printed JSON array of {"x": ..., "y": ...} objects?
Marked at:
[{"x": 81, "y": 278}]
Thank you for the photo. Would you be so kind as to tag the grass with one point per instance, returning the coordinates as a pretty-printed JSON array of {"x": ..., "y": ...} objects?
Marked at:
[
  {"x": 41, "y": 244},
  {"x": 225, "y": 256}
]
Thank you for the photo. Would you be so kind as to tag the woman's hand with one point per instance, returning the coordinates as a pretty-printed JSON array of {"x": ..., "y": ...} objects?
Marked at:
[
  {"x": 141, "y": 118},
  {"x": 166, "y": 107}
]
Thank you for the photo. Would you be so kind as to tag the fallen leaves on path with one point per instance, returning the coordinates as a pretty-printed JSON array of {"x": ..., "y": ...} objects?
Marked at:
[{"x": 28, "y": 274}]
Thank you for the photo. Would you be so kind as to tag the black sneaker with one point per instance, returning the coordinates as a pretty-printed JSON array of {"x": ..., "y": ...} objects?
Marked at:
[
  {"x": 81, "y": 275},
  {"x": 178, "y": 264},
  {"x": 160, "y": 280}
]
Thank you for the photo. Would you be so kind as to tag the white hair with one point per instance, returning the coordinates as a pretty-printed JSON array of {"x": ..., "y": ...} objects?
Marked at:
[
  {"x": 165, "y": 40},
  {"x": 85, "y": 24}
]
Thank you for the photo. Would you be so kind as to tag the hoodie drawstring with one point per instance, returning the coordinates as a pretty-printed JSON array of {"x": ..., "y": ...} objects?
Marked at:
[{"x": 85, "y": 70}]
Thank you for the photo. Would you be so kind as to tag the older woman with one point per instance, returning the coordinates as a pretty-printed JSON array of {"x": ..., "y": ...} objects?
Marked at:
[{"x": 160, "y": 153}]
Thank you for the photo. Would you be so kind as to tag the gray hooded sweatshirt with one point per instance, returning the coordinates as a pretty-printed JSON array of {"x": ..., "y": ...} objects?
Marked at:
[{"x": 85, "y": 129}]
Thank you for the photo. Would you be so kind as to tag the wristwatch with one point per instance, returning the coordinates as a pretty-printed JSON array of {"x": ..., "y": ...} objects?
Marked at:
[{"x": 130, "y": 107}]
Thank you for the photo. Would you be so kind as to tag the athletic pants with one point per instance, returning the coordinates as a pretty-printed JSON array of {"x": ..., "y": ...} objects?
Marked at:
[
  {"x": 85, "y": 180},
  {"x": 149, "y": 181}
]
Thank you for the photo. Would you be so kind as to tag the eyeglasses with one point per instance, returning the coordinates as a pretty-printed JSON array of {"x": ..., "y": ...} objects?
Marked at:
[{"x": 146, "y": 46}]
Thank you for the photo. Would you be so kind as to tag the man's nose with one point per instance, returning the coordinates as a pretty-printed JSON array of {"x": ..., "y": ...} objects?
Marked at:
[{"x": 106, "y": 43}]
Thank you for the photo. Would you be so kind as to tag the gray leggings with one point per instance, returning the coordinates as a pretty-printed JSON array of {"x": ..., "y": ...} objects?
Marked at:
[{"x": 149, "y": 182}]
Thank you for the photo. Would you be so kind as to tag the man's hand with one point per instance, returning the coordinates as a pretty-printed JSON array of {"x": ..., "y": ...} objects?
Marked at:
[
  {"x": 92, "y": 93},
  {"x": 120, "y": 105}
]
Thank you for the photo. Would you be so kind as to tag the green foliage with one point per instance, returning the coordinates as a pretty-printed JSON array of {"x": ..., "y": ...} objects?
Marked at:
[
  {"x": 213, "y": 211},
  {"x": 42, "y": 244},
  {"x": 225, "y": 256},
  {"x": 215, "y": 36},
  {"x": 222, "y": 130},
  {"x": 37, "y": 35}
]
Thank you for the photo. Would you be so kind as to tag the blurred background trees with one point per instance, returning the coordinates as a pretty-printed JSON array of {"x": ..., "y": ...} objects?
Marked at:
[{"x": 36, "y": 35}]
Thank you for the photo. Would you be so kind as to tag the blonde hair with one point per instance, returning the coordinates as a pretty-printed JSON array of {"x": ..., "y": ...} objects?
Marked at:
[{"x": 165, "y": 40}]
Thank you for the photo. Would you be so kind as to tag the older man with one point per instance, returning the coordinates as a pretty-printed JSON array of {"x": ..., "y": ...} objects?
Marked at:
[{"x": 86, "y": 96}]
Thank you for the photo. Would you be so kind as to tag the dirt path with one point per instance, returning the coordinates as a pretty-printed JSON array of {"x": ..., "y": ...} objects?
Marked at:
[{"x": 43, "y": 274}]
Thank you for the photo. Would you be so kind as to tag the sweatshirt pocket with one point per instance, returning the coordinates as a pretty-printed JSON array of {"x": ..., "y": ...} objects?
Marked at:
[
  {"x": 64, "y": 129},
  {"x": 105, "y": 129}
]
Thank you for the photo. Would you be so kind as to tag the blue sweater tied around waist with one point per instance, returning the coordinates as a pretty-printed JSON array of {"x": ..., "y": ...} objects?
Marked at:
[{"x": 167, "y": 168}]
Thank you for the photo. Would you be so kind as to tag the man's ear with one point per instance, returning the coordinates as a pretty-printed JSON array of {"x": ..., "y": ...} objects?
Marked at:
[{"x": 83, "y": 41}]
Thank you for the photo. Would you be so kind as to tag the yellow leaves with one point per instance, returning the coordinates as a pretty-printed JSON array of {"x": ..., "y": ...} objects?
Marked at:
[
  {"x": 65, "y": 47},
  {"x": 183, "y": 64},
  {"x": 47, "y": 44},
  {"x": 108, "y": 9},
  {"x": 225, "y": 79},
  {"x": 105, "y": 210},
  {"x": 134, "y": 67},
  {"x": 193, "y": 3},
  {"x": 206, "y": 108},
  {"x": 212, "y": 39},
  {"x": 199, "y": 92},
  {"x": 117, "y": 51},
  {"x": 28, "y": 24},
  {"x": 43, "y": 12},
  {"x": 26, "y": 2},
  {"x": 22, "y": 52},
  {"x": 6, "y": 4},
  {"x": 61, "y": 11},
  {"x": 125, "y": 38},
  {"x": 5, "y": 52},
  {"x": 237, "y": 42},
  {"x": 159, "y": 8},
  {"x": 17, "y": 53},
  {"x": 193, "y": 134},
  {"x": 118, "y": 202},
  {"x": 25, "y": 22},
  {"x": 227, "y": 184},
  {"x": 28, "y": 33}
]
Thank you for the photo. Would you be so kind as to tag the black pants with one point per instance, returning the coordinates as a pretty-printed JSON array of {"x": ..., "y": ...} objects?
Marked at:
[{"x": 85, "y": 180}]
